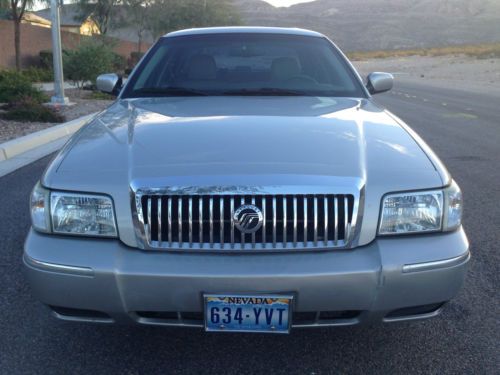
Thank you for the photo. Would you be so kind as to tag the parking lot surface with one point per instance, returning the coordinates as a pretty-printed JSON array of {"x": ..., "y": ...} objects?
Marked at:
[{"x": 464, "y": 130}]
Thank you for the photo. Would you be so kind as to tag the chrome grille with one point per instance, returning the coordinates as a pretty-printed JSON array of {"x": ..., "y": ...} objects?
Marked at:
[{"x": 206, "y": 221}]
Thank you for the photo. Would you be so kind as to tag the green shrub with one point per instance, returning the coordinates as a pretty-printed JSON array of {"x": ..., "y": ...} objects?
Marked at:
[
  {"x": 38, "y": 74},
  {"x": 119, "y": 63},
  {"x": 46, "y": 59},
  {"x": 91, "y": 58},
  {"x": 30, "y": 110},
  {"x": 14, "y": 86}
]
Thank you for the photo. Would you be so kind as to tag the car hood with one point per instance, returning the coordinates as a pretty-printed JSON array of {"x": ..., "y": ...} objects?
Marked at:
[{"x": 215, "y": 141}]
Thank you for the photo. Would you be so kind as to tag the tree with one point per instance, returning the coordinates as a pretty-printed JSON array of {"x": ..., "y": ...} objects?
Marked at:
[
  {"x": 169, "y": 15},
  {"x": 18, "y": 8},
  {"x": 135, "y": 14},
  {"x": 101, "y": 11}
]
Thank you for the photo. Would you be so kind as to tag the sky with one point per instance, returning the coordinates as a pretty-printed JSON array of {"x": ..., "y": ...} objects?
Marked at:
[{"x": 286, "y": 3}]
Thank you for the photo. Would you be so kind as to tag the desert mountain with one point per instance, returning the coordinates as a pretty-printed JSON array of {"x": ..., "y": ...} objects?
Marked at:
[{"x": 360, "y": 25}]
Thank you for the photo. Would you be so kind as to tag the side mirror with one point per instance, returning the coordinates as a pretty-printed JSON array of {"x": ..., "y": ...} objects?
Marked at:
[
  {"x": 109, "y": 83},
  {"x": 378, "y": 82}
]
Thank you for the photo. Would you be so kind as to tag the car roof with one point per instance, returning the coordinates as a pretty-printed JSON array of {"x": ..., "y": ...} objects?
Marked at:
[{"x": 245, "y": 29}]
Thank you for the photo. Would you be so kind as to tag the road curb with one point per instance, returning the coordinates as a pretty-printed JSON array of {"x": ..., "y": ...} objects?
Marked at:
[{"x": 20, "y": 145}]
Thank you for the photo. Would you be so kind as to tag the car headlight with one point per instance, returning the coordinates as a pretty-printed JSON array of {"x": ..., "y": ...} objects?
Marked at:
[
  {"x": 421, "y": 212},
  {"x": 72, "y": 213}
]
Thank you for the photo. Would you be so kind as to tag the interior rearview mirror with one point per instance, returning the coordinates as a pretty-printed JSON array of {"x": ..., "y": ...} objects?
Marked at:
[{"x": 378, "y": 82}]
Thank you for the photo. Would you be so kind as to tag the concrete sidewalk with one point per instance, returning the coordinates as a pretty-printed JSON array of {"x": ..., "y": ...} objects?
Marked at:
[
  {"x": 22, "y": 151},
  {"x": 49, "y": 86}
]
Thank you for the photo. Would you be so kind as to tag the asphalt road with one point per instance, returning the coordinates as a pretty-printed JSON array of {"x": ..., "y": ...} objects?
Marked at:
[{"x": 464, "y": 129}]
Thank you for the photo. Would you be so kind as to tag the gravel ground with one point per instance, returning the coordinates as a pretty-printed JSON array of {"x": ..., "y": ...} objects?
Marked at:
[
  {"x": 448, "y": 72},
  {"x": 13, "y": 129}
]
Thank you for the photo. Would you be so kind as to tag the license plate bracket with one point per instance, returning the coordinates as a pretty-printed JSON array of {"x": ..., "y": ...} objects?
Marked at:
[{"x": 248, "y": 313}]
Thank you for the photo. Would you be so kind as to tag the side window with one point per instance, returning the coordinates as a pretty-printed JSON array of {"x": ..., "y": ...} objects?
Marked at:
[
  {"x": 314, "y": 68},
  {"x": 153, "y": 69},
  {"x": 335, "y": 70}
]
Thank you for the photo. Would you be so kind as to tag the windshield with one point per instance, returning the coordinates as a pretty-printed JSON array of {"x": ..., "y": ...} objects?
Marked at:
[{"x": 244, "y": 64}]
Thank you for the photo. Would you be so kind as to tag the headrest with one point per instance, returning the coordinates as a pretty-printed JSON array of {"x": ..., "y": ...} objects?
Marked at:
[
  {"x": 284, "y": 68},
  {"x": 202, "y": 67}
]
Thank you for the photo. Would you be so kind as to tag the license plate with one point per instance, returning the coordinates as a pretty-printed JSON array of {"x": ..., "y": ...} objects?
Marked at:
[{"x": 238, "y": 313}]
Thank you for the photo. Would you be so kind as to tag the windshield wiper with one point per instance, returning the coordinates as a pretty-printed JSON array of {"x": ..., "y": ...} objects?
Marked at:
[
  {"x": 169, "y": 91},
  {"x": 265, "y": 91}
]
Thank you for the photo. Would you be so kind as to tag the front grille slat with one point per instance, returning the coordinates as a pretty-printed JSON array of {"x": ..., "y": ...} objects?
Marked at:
[
  {"x": 179, "y": 220},
  {"x": 253, "y": 234},
  {"x": 290, "y": 221},
  {"x": 325, "y": 236},
  {"x": 211, "y": 221},
  {"x": 295, "y": 213},
  {"x": 315, "y": 221},
  {"x": 336, "y": 226},
  {"x": 346, "y": 217},
  {"x": 169, "y": 221},
  {"x": 148, "y": 229},
  {"x": 232, "y": 222},
  {"x": 159, "y": 220},
  {"x": 242, "y": 235},
  {"x": 190, "y": 218},
  {"x": 274, "y": 222},
  {"x": 200, "y": 220},
  {"x": 264, "y": 228},
  {"x": 305, "y": 221},
  {"x": 221, "y": 204},
  {"x": 285, "y": 219}
]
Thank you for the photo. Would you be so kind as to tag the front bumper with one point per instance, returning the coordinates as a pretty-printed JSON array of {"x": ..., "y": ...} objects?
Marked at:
[{"x": 391, "y": 279}]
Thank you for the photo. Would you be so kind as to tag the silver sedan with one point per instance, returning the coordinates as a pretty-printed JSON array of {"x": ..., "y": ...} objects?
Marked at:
[{"x": 244, "y": 180}]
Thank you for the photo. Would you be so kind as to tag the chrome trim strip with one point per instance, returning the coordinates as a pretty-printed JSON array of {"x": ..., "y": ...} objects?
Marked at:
[
  {"x": 344, "y": 185},
  {"x": 428, "y": 315},
  {"x": 167, "y": 323},
  {"x": 173, "y": 323},
  {"x": 426, "y": 266},
  {"x": 341, "y": 244},
  {"x": 82, "y": 319},
  {"x": 328, "y": 323},
  {"x": 58, "y": 268}
]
